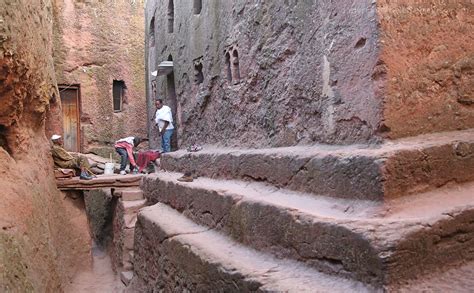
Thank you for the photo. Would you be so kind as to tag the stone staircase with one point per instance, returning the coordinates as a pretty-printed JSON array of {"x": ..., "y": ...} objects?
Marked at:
[
  {"x": 130, "y": 200},
  {"x": 317, "y": 219}
]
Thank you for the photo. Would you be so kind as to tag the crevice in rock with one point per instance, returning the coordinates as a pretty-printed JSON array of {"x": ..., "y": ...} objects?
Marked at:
[
  {"x": 169, "y": 237},
  {"x": 360, "y": 43},
  {"x": 4, "y": 139},
  {"x": 303, "y": 168}
]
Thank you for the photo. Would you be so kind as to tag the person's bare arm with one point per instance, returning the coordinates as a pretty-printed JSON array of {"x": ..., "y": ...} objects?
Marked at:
[{"x": 164, "y": 127}]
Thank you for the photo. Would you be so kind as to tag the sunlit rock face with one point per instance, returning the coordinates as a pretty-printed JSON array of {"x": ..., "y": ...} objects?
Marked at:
[
  {"x": 427, "y": 51},
  {"x": 98, "y": 44}
]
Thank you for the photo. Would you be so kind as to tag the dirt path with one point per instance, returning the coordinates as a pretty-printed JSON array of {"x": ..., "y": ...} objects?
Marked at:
[{"x": 99, "y": 278}]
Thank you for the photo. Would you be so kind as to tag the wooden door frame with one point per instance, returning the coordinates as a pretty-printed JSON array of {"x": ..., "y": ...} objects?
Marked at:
[{"x": 77, "y": 87}]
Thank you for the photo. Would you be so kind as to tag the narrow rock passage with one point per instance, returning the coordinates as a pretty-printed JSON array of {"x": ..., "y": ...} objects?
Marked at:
[{"x": 99, "y": 278}]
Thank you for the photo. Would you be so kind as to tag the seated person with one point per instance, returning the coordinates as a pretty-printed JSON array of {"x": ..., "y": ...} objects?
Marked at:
[
  {"x": 63, "y": 159},
  {"x": 124, "y": 148}
]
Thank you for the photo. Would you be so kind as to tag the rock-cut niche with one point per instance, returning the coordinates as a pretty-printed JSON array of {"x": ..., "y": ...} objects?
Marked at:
[
  {"x": 170, "y": 16},
  {"x": 197, "y": 6}
]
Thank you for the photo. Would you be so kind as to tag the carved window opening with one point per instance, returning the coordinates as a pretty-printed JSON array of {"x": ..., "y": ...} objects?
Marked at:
[
  {"x": 118, "y": 90},
  {"x": 152, "y": 33},
  {"x": 197, "y": 6},
  {"x": 228, "y": 67},
  {"x": 170, "y": 16},
  {"x": 235, "y": 66},
  {"x": 198, "y": 75}
]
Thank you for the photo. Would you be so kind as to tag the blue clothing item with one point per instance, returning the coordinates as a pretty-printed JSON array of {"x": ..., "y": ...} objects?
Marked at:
[
  {"x": 123, "y": 158},
  {"x": 166, "y": 141}
]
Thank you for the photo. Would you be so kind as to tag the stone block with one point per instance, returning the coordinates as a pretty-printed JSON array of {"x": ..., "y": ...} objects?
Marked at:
[
  {"x": 126, "y": 277},
  {"x": 128, "y": 240},
  {"x": 130, "y": 195}
]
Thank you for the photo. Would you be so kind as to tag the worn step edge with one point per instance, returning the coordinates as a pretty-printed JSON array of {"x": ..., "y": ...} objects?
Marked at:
[
  {"x": 198, "y": 259},
  {"x": 129, "y": 194},
  {"x": 380, "y": 244},
  {"x": 365, "y": 172}
]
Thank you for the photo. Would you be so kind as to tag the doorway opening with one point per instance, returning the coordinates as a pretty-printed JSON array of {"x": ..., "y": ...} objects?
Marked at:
[
  {"x": 71, "y": 113},
  {"x": 228, "y": 67},
  {"x": 173, "y": 104},
  {"x": 118, "y": 89},
  {"x": 235, "y": 66}
]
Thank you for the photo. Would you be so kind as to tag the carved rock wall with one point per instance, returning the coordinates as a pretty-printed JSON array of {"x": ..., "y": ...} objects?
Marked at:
[
  {"x": 42, "y": 240},
  {"x": 427, "y": 53},
  {"x": 305, "y": 70},
  {"x": 97, "y": 42},
  {"x": 335, "y": 72}
]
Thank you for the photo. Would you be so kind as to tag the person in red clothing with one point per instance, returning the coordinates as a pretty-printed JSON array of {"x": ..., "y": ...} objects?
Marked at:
[{"x": 124, "y": 148}]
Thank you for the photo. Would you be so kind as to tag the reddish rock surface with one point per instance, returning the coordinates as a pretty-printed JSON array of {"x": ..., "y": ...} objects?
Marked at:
[
  {"x": 42, "y": 237},
  {"x": 96, "y": 43},
  {"x": 428, "y": 62}
]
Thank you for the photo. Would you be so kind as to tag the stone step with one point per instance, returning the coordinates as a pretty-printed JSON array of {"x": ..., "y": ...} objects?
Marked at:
[
  {"x": 376, "y": 172},
  {"x": 174, "y": 254},
  {"x": 375, "y": 242},
  {"x": 129, "y": 194}
]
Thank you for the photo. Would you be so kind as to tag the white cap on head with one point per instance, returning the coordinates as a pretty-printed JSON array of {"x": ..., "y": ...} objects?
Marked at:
[{"x": 55, "y": 137}]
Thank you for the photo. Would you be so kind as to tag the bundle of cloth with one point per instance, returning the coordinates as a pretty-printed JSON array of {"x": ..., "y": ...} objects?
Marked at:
[{"x": 144, "y": 159}]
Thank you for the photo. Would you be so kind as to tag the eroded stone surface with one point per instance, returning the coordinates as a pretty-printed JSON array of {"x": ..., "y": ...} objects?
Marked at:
[
  {"x": 172, "y": 253},
  {"x": 124, "y": 220},
  {"x": 392, "y": 169},
  {"x": 426, "y": 53},
  {"x": 305, "y": 71},
  {"x": 42, "y": 239},
  {"x": 376, "y": 243}
]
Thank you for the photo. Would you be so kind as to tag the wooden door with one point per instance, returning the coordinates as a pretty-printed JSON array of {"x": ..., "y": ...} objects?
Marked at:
[{"x": 71, "y": 127}]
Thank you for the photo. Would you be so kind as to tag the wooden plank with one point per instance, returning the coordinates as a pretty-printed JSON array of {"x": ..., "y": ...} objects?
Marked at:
[{"x": 102, "y": 181}]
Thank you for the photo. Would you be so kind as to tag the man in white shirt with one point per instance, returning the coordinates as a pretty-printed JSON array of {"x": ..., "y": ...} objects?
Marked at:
[{"x": 164, "y": 120}]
